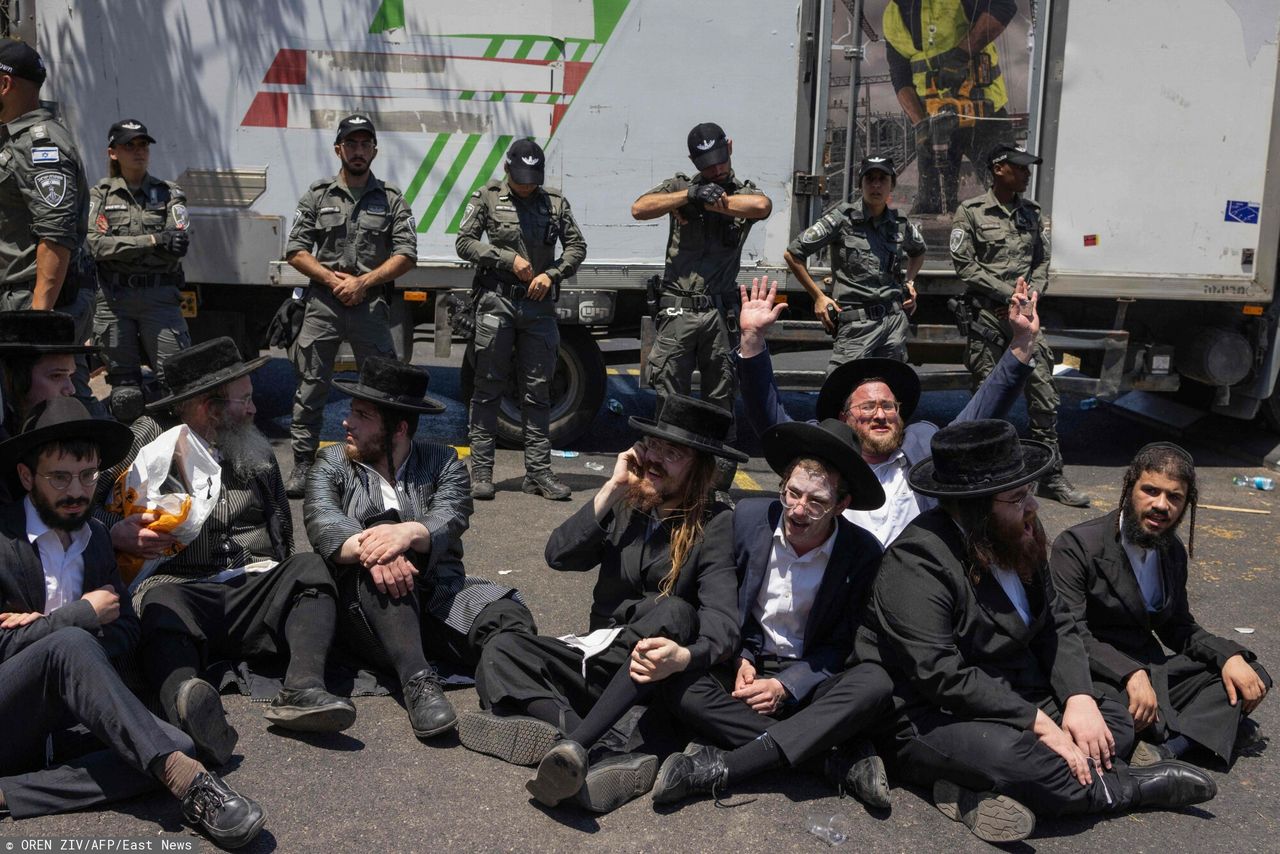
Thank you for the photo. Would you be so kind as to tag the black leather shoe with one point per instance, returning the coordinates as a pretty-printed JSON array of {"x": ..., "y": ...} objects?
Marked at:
[
  {"x": 482, "y": 484},
  {"x": 700, "y": 770},
  {"x": 1147, "y": 754},
  {"x": 201, "y": 716},
  {"x": 547, "y": 485},
  {"x": 859, "y": 770},
  {"x": 310, "y": 710},
  {"x": 1170, "y": 785},
  {"x": 989, "y": 816},
  {"x": 430, "y": 712},
  {"x": 517, "y": 739},
  {"x": 228, "y": 818},
  {"x": 560, "y": 773},
  {"x": 296, "y": 486},
  {"x": 616, "y": 779},
  {"x": 1061, "y": 490}
]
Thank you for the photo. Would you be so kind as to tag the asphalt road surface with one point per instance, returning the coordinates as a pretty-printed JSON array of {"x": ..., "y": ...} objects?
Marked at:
[{"x": 376, "y": 788}]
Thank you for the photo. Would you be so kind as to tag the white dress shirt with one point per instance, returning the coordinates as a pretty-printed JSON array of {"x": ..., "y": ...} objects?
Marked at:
[
  {"x": 788, "y": 592},
  {"x": 1146, "y": 566},
  {"x": 1015, "y": 590},
  {"x": 390, "y": 498},
  {"x": 63, "y": 568},
  {"x": 901, "y": 504}
]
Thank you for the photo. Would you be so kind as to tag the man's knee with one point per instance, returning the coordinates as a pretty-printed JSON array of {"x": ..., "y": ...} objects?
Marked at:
[
  {"x": 73, "y": 646},
  {"x": 496, "y": 618},
  {"x": 671, "y": 617}
]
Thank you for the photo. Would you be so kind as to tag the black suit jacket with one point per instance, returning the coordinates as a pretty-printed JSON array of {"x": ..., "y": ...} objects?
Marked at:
[
  {"x": 1096, "y": 581},
  {"x": 842, "y": 593},
  {"x": 954, "y": 644},
  {"x": 632, "y": 566},
  {"x": 22, "y": 586}
]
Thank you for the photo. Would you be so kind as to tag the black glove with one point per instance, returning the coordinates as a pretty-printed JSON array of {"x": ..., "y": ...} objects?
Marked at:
[
  {"x": 174, "y": 241},
  {"x": 921, "y": 129},
  {"x": 953, "y": 68},
  {"x": 706, "y": 194}
]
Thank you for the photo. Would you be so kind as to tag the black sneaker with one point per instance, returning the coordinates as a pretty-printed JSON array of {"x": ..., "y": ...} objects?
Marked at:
[
  {"x": 482, "y": 484},
  {"x": 1061, "y": 490},
  {"x": 700, "y": 770},
  {"x": 615, "y": 780},
  {"x": 856, "y": 768},
  {"x": 310, "y": 710},
  {"x": 296, "y": 486},
  {"x": 991, "y": 817},
  {"x": 547, "y": 485},
  {"x": 430, "y": 712},
  {"x": 228, "y": 818},
  {"x": 517, "y": 739},
  {"x": 201, "y": 716}
]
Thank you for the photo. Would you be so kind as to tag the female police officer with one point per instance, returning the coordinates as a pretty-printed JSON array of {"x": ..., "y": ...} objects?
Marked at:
[{"x": 138, "y": 233}]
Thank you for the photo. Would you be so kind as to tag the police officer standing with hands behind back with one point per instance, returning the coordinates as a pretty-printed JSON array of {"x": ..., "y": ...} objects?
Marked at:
[
  {"x": 363, "y": 236},
  {"x": 517, "y": 281}
]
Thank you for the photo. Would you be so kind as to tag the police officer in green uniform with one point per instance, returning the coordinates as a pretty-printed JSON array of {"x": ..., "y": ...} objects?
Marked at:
[
  {"x": 711, "y": 215},
  {"x": 517, "y": 281},
  {"x": 997, "y": 240},
  {"x": 44, "y": 196},
  {"x": 139, "y": 230},
  {"x": 871, "y": 295},
  {"x": 363, "y": 237}
]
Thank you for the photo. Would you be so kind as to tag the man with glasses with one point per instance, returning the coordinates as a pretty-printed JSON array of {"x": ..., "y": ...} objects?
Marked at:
[
  {"x": 876, "y": 397},
  {"x": 805, "y": 572},
  {"x": 363, "y": 237},
  {"x": 665, "y": 602}
]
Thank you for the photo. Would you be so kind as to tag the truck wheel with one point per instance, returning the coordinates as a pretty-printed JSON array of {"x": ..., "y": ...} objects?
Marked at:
[{"x": 576, "y": 393}]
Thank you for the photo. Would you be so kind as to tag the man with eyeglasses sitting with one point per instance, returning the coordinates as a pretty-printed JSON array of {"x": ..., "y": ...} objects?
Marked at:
[
  {"x": 805, "y": 574},
  {"x": 876, "y": 397}
]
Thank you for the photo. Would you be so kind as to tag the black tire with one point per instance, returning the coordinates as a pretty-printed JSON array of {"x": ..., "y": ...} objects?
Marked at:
[{"x": 576, "y": 393}]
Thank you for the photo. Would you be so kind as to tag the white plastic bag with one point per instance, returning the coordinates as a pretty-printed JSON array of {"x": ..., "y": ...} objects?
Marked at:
[{"x": 182, "y": 514}]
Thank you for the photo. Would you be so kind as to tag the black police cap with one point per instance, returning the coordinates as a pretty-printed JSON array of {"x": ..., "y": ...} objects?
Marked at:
[
  {"x": 526, "y": 162},
  {"x": 1008, "y": 153},
  {"x": 21, "y": 60},
  {"x": 357, "y": 123},
  {"x": 126, "y": 131},
  {"x": 708, "y": 145}
]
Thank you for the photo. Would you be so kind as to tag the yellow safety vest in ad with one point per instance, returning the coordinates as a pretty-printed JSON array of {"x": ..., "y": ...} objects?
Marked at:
[{"x": 943, "y": 25}]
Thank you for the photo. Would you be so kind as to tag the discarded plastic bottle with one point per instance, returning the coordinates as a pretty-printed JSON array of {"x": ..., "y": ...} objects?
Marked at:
[
  {"x": 568, "y": 455},
  {"x": 594, "y": 466},
  {"x": 1089, "y": 403},
  {"x": 615, "y": 406},
  {"x": 1264, "y": 484},
  {"x": 831, "y": 829}
]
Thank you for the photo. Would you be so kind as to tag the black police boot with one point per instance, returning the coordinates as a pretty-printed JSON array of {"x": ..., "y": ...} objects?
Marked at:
[
  {"x": 1168, "y": 785},
  {"x": 296, "y": 487},
  {"x": 700, "y": 770},
  {"x": 228, "y": 818},
  {"x": 560, "y": 773},
  {"x": 990, "y": 817},
  {"x": 201, "y": 716},
  {"x": 546, "y": 484},
  {"x": 1057, "y": 487},
  {"x": 310, "y": 710},
  {"x": 482, "y": 483},
  {"x": 430, "y": 712},
  {"x": 857, "y": 768}
]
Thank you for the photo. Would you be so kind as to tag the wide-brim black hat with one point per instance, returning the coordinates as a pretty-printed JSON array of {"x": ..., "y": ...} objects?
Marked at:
[
  {"x": 37, "y": 332},
  {"x": 833, "y": 442},
  {"x": 975, "y": 458},
  {"x": 389, "y": 383},
  {"x": 62, "y": 419},
  {"x": 203, "y": 367},
  {"x": 900, "y": 377},
  {"x": 689, "y": 421}
]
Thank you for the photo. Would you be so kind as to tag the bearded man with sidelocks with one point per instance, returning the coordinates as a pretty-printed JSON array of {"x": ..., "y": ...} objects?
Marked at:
[{"x": 1123, "y": 576}]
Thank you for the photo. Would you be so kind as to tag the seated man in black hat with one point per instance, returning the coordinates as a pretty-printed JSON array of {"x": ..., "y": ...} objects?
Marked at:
[
  {"x": 995, "y": 708},
  {"x": 1123, "y": 577},
  {"x": 63, "y": 618},
  {"x": 665, "y": 601},
  {"x": 805, "y": 573},
  {"x": 37, "y": 361},
  {"x": 876, "y": 397},
  {"x": 239, "y": 590},
  {"x": 388, "y": 512}
]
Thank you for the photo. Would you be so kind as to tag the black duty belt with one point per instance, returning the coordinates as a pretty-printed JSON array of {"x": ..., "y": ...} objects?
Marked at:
[
  {"x": 140, "y": 280},
  {"x": 870, "y": 311},
  {"x": 697, "y": 301}
]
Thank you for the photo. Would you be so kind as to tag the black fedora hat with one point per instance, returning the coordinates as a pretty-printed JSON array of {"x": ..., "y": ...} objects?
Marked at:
[
  {"x": 39, "y": 333},
  {"x": 900, "y": 377},
  {"x": 975, "y": 458},
  {"x": 203, "y": 367},
  {"x": 832, "y": 441},
  {"x": 387, "y": 382},
  {"x": 689, "y": 421},
  {"x": 63, "y": 418}
]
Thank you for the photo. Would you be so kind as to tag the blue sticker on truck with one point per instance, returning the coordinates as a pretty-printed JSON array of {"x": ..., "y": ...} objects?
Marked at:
[{"x": 1246, "y": 212}]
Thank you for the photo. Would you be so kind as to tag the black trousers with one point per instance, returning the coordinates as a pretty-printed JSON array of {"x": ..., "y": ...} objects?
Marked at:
[
  {"x": 59, "y": 681},
  {"x": 841, "y": 708},
  {"x": 982, "y": 755},
  {"x": 517, "y": 668}
]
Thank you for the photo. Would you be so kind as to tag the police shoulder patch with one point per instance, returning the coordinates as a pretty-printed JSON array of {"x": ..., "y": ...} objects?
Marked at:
[
  {"x": 297, "y": 215},
  {"x": 180, "y": 216},
  {"x": 45, "y": 154},
  {"x": 957, "y": 239},
  {"x": 5, "y": 157},
  {"x": 817, "y": 231},
  {"x": 915, "y": 233},
  {"x": 54, "y": 188}
]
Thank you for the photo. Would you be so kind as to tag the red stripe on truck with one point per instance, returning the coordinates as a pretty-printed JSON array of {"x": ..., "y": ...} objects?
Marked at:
[
  {"x": 289, "y": 68},
  {"x": 268, "y": 110}
]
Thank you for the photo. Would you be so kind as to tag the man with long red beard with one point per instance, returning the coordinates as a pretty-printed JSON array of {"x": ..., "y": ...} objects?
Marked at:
[
  {"x": 1123, "y": 576},
  {"x": 995, "y": 707},
  {"x": 876, "y": 397},
  {"x": 665, "y": 602}
]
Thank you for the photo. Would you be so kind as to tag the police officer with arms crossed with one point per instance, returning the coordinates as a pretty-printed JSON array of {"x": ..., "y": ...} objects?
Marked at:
[
  {"x": 999, "y": 239},
  {"x": 138, "y": 233},
  {"x": 868, "y": 241},
  {"x": 45, "y": 199},
  {"x": 517, "y": 281},
  {"x": 364, "y": 237}
]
